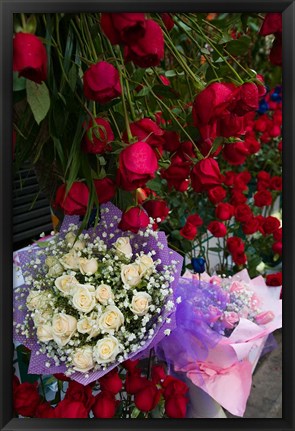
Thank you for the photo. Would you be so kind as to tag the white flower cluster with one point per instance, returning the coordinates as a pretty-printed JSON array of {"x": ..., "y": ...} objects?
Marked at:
[{"x": 91, "y": 304}]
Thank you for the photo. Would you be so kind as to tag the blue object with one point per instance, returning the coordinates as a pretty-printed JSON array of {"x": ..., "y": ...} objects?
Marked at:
[
  {"x": 275, "y": 97},
  {"x": 263, "y": 107},
  {"x": 198, "y": 264}
]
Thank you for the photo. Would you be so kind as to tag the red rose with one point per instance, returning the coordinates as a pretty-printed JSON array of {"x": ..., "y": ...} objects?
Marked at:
[
  {"x": 229, "y": 178},
  {"x": 277, "y": 248},
  {"x": 263, "y": 176},
  {"x": 278, "y": 234},
  {"x": 276, "y": 183},
  {"x": 158, "y": 374},
  {"x": 156, "y": 209},
  {"x": 212, "y": 102},
  {"x": 111, "y": 382},
  {"x": 134, "y": 219},
  {"x": 234, "y": 243},
  {"x": 135, "y": 382},
  {"x": 195, "y": 220},
  {"x": 261, "y": 88},
  {"x": 105, "y": 189},
  {"x": 15, "y": 382},
  {"x": 29, "y": 57},
  {"x": 149, "y": 50},
  {"x": 148, "y": 131},
  {"x": 246, "y": 100},
  {"x": 123, "y": 27},
  {"x": 230, "y": 125},
  {"x": 243, "y": 213},
  {"x": 75, "y": 201},
  {"x": 171, "y": 141},
  {"x": 175, "y": 407},
  {"x": 275, "y": 55},
  {"x": 235, "y": 153},
  {"x": 252, "y": 145},
  {"x": 244, "y": 176},
  {"x": 177, "y": 174},
  {"x": 262, "y": 123},
  {"x": 205, "y": 147},
  {"x": 44, "y": 410},
  {"x": 131, "y": 365},
  {"x": 78, "y": 392},
  {"x": 274, "y": 279},
  {"x": 62, "y": 377},
  {"x": 137, "y": 165},
  {"x": 272, "y": 24},
  {"x": 70, "y": 409},
  {"x": 216, "y": 194},
  {"x": 205, "y": 174},
  {"x": 251, "y": 226},
  {"x": 26, "y": 399},
  {"x": 98, "y": 136},
  {"x": 271, "y": 224},
  {"x": 173, "y": 387},
  {"x": 237, "y": 198},
  {"x": 104, "y": 405},
  {"x": 217, "y": 229},
  {"x": 189, "y": 231},
  {"x": 262, "y": 198},
  {"x": 167, "y": 20},
  {"x": 164, "y": 80},
  {"x": 224, "y": 211},
  {"x": 147, "y": 398},
  {"x": 239, "y": 258},
  {"x": 102, "y": 82}
]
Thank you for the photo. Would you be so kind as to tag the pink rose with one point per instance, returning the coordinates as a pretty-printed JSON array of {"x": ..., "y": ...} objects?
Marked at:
[
  {"x": 264, "y": 317},
  {"x": 230, "y": 319}
]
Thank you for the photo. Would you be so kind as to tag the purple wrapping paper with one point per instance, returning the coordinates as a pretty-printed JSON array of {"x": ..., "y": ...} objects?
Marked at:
[{"x": 108, "y": 223}]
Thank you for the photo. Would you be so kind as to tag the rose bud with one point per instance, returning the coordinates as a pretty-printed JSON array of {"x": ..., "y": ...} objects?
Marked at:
[
  {"x": 251, "y": 226},
  {"x": 175, "y": 407},
  {"x": 67, "y": 409},
  {"x": 195, "y": 220},
  {"x": 274, "y": 279},
  {"x": 189, "y": 231},
  {"x": 262, "y": 198},
  {"x": 276, "y": 183},
  {"x": 235, "y": 153},
  {"x": 217, "y": 229},
  {"x": 278, "y": 234},
  {"x": 156, "y": 209},
  {"x": 131, "y": 365},
  {"x": 137, "y": 165},
  {"x": 264, "y": 317},
  {"x": 205, "y": 174},
  {"x": 75, "y": 201},
  {"x": 171, "y": 141},
  {"x": 158, "y": 373},
  {"x": 102, "y": 82},
  {"x": 111, "y": 382},
  {"x": 146, "y": 130},
  {"x": 239, "y": 258},
  {"x": 243, "y": 213},
  {"x": 78, "y": 392},
  {"x": 147, "y": 398},
  {"x": 44, "y": 410},
  {"x": 149, "y": 50},
  {"x": 235, "y": 243},
  {"x": 237, "y": 198},
  {"x": 246, "y": 99},
  {"x": 134, "y": 381},
  {"x": 97, "y": 137},
  {"x": 177, "y": 175},
  {"x": 224, "y": 211},
  {"x": 26, "y": 399},
  {"x": 123, "y": 27},
  {"x": 173, "y": 386},
  {"x": 104, "y": 405},
  {"x": 105, "y": 189},
  {"x": 29, "y": 57},
  {"x": 230, "y": 125},
  {"x": 271, "y": 224},
  {"x": 134, "y": 219},
  {"x": 272, "y": 24},
  {"x": 216, "y": 194},
  {"x": 277, "y": 248}
]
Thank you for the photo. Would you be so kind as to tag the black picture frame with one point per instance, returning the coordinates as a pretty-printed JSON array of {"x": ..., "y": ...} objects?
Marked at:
[{"x": 7, "y": 8}]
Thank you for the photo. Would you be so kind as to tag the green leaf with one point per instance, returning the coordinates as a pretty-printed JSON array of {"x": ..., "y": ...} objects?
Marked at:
[
  {"x": 215, "y": 249},
  {"x": 165, "y": 91},
  {"x": 31, "y": 25},
  {"x": 239, "y": 46},
  {"x": 143, "y": 92},
  {"x": 135, "y": 413},
  {"x": 19, "y": 83},
  {"x": 155, "y": 185},
  {"x": 38, "y": 99},
  {"x": 73, "y": 75},
  {"x": 170, "y": 73}
]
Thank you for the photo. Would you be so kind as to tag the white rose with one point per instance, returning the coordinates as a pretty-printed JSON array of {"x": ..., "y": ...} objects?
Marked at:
[
  {"x": 83, "y": 300},
  {"x": 140, "y": 303},
  {"x": 146, "y": 264},
  {"x": 55, "y": 270},
  {"x": 51, "y": 261},
  {"x": 37, "y": 299},
  {"x": 130, "y": 274},
  {"x": 70, "y": 260},
  {"x": 104, "y": 293},
  {"x": 111, "y": 319},
  {"x": 123, "y": 247},
  {"x": 106, "y": 350},
  {"x": 88, "y": 266},
  {"x": 63, "y": 328},
  {"x": 72, "y": 243},
  {"x": 42, "y": 316},
  {"x": 66, "y": 284},
  {"x": 85, "y": 325},
  {"x": 44, "y": 333},
  {"x": 83, "y": 359}
]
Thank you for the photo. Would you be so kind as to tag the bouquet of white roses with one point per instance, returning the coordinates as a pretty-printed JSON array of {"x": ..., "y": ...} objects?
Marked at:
[{"x": 94, "y": 299}]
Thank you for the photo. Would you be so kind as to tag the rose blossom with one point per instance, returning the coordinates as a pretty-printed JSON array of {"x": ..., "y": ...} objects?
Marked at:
[
  {"x": 217, "y": 229},
  {"x": 106, "y": 350},
  {"x": 37, "y": 299},
  {"x": 146, "y": 264},
  {"x": 75, "y": 201},
  {"x": 88, "y": 266},
  {"x": 130, "y": 274},
  {"x": 102, "y": 82},
  {"x": 73, "y": 242},
  {"x": 85, "y": 325},
  {"x": 205, "y": 174},
  {"x": 44, "y": 333},
  {"x": 123, "y": 246},
  {"x": 111, "y": 319},
  {"x": 140, "y": 303},
  {"x": 66, "y": 284},
  {"x": 70, "y": 260},
  {"x": 82, "y": 359},
  {"x": 63, "y": 328},
  {"x": 98, "y": 136},
  {"x": 264, "y": 317},
  {"x": 83, "y": 299},
  {"x": 123, "y": 27},
  {"x": 105, "y": 189},
  {"x": 104, "y": 293},
  {"x": 229, "y": 319}
]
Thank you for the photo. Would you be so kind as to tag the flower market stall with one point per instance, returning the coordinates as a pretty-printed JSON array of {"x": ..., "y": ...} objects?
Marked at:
[{"x": 156, "y": 140}]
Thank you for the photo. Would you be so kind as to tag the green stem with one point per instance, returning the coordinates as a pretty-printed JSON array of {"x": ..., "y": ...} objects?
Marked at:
[
  {"x": 24, "y": 22},
  {"x": 89, "y": 37}
]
